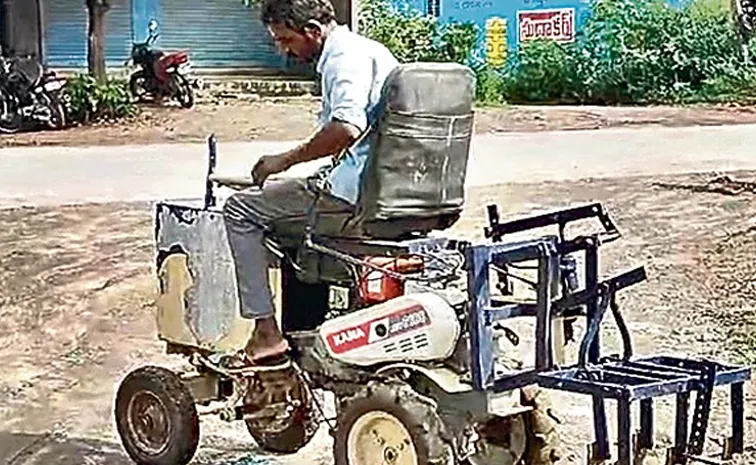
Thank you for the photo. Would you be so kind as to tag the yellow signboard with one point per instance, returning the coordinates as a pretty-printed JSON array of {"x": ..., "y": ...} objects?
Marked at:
[{"x": 496, "y": 41}]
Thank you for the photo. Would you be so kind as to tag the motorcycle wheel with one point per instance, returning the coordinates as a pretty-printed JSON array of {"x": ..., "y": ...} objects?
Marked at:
[
  {"x": 57, "y": 113},
  {"x": 10, "y": 120},
  {"x": 138, "y": 86},
  {"x": 184, "y": 94}
]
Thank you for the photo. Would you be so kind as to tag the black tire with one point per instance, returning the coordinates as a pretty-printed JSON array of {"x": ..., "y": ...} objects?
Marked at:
[
  {"x": 530, "y": 438},
  {"x": 167, "y": 412},
  {"x": 10, "y": 121},
  {"x": 57, "y": 112},
  {"x": 184, "y": 93},
  {"x": 288, "y": 441},
  {"x": 402, "y": 404},
  {"x": 295, "y": 435},
  {"x": 136, "y": 86}
]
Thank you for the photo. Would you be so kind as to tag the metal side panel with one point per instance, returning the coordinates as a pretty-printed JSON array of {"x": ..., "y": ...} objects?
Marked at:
[
  {"x": 198, "y": 302},
  {"x": 65, "y": 30},
  {"x": 217, "y": 33},
  {"x": 118, "y": 32}
]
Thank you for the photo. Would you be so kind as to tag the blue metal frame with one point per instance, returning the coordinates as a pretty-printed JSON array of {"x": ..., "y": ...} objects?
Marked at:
[
  {"x": 622, "y": 378},
  {"x": 485, "y": 312}
]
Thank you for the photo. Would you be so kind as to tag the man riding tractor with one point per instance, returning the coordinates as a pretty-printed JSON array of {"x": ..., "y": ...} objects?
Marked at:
[{"x": 353, "y": 70}]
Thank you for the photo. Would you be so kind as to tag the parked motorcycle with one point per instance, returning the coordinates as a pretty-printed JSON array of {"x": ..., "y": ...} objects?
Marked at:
[
  {"x": 161, "y": 74},
  {"x": 29, "y": 96}
]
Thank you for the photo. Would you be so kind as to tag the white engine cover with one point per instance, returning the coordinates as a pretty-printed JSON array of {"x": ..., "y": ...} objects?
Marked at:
[{"x": 417, "y": 327}]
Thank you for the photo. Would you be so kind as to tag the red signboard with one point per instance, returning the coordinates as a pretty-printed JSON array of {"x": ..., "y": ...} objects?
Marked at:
[{"x": 555, "y": 24}]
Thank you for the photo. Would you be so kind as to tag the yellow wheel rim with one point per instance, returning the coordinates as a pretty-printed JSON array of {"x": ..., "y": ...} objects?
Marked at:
[{"x": 379, "y": 438}]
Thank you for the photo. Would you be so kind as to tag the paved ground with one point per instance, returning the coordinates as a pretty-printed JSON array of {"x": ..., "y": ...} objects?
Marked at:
[
  {"x": 77, "y": 293},
  {"x": 58, "y": 175},
  {"x": 292, "y": 118},
  {"x": 77, "y": 311}
]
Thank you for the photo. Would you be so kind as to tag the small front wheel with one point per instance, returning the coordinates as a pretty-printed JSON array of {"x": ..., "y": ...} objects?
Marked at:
[{"x": 156, "y": 417}]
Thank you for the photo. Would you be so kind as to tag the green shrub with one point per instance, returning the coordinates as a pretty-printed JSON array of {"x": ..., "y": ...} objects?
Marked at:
[
  {"x": 489, "y": 85},
  {"x": 543, "y": 71},
  {"x": 412, "y": 36},
  {"x": 90, "y": 101},
  {"x": 456, "y": 43},
  {"x": 408, "y": 34},
  {"x": 629, "y": 51},
  {"x": 646, "y": 51}
]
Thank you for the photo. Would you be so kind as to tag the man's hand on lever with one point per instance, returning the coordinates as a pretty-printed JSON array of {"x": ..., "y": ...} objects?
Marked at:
[
  {"x": 331, "y": 139},
  {"x": 269, "y": 165}
]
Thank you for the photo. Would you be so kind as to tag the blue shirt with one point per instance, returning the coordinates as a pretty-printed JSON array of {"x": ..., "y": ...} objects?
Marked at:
[{"x": 353, "y": 70}]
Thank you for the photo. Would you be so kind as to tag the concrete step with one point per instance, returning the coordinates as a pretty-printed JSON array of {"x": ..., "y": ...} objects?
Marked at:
[
  {"x": 235, "y": 83},
  {"x": 254, "y": 87}
]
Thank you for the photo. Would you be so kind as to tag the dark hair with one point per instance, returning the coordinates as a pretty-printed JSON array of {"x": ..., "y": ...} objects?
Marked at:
[{"x": 295, "y": 14}]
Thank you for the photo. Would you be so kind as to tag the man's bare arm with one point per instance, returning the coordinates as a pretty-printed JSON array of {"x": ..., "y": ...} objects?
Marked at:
[{"x": 329, "y": 140}]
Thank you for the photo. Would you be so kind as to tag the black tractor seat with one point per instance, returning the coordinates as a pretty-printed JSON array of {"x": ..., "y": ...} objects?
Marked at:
[
  {"x": 413, "y": 181},
  {"x": 414, "y": 178}
]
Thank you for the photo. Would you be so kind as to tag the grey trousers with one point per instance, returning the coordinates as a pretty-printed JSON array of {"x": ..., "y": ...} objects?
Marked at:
[{"x": 252, "y": 213}]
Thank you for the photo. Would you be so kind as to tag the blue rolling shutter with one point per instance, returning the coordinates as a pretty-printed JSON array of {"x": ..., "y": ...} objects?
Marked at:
[
  {"x": 217, "y": 33},
  {"x": 66, "y": 33},
  {"x": 118, "y": 31}
]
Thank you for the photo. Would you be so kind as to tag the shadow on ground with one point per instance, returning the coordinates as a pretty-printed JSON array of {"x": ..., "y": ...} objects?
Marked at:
[
  {"x": 52, "y": 449},
  {"x": 57, "y": 449}
]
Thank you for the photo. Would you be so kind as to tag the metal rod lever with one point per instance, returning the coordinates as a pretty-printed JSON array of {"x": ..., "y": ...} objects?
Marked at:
[
  {"x": 646, "y": 439},
  {"x": 212, "y": 153},
  {"x": 738, "y": 417},
  {"x": 594, "y": 325},
  {"x": 706, "y": 460}
]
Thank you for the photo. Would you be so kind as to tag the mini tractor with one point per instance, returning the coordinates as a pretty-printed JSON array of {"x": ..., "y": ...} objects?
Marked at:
[{"x": 410, "y": 331}]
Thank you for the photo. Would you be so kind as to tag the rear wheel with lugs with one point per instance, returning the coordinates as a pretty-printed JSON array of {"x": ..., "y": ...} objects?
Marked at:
[
  {"x": 285, "y": 417},
  {"x": 390, "y": 424},
  {"x": 156, "y": 417}
]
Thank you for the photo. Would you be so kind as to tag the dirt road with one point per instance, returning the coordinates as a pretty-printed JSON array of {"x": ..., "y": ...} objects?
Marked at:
[
  {"x": 76, "y": 310},
  {"x": 293, "y": 118},
  {"x": 61, "y": 175}
]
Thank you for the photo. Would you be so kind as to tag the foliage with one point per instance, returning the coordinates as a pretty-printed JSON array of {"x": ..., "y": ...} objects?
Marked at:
[
  {"x": 639, "y": 51},
  {"x": 489, "y": 85},
  {"x": 89, "y": 100},
  {"x": 629, "y": 51},
  {"x": 646, "y": 51},
  {"x": 543, "y": 71},
  {"x": 412, "y": 36}
]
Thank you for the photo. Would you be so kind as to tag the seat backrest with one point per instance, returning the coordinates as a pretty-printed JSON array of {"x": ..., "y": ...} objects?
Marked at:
[
  {"x": 415, "y": 173},
  {"x": 26, "y": 72}
]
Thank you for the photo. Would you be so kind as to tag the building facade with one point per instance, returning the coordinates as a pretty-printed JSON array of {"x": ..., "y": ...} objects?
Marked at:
[
  {"x": 20, "y": 28},
  {"x": 506, "y": 24},
  {"x": 216, "y": 33}
]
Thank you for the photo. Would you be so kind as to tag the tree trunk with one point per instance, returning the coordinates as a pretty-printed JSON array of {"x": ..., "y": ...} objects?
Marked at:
[{"x": 96, "y": 38}]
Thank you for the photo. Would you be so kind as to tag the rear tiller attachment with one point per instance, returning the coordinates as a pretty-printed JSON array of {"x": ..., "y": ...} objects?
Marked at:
[{"x": 626, "y": 378}]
